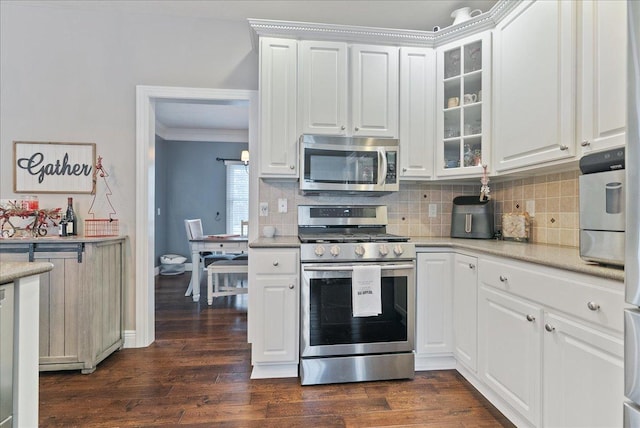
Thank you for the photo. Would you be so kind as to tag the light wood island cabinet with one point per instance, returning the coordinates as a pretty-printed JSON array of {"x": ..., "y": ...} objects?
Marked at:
[{"x": 80, "y": 299}]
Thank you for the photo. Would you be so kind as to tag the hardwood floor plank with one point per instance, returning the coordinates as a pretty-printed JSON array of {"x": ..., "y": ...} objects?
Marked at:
[{"x": 197, "y": 374}]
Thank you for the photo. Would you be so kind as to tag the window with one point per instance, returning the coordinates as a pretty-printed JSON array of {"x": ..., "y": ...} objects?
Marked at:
[{"x": 237, "y": 197}]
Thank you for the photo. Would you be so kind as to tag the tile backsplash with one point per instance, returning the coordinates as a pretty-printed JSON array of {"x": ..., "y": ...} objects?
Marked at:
[{"x": 555, "y": 197}]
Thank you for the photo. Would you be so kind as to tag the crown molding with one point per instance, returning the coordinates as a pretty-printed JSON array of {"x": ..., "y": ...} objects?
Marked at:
[{"x": 379, "y": 36}]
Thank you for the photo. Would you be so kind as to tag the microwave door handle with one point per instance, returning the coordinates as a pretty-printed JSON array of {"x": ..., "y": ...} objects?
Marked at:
[
  {"x": 350, "y": 268},
  {"x": 382, "y": 168}
]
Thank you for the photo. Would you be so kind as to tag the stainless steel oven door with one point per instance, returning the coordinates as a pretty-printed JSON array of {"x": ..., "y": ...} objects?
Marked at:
[{"x": 328, "y": 327}]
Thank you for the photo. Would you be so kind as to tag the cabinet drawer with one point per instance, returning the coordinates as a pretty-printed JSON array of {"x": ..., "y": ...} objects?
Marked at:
[
  {"x": 275, "y": 262},
  {"x": 597, "y": 300}
]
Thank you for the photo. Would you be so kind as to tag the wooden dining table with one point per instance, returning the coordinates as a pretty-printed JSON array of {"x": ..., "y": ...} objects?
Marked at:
[{"x": 222, "y": 244}]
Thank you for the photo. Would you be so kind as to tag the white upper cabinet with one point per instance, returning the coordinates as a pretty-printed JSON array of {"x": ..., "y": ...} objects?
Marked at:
[
  {"x": 278, "y": 100},
  {"x": 323, "y": 87},
  {"x": 348, "y": 89},
  {"x": 602, "y": 73},
  {"x": 417, "y": 112},
  {"x": 534, "y": 81},
  {"x": 462, "y": 106}
]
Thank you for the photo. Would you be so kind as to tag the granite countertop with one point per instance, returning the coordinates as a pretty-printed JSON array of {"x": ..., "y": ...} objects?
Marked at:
[
  {"x": 10, "y": 271},
  {"x": 567, "y": 258}
]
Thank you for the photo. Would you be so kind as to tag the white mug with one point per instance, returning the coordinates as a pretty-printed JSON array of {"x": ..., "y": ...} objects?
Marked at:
[
  {"x": 470, "y": 98},
  {"x": 269, "y": 231},
  {"x": 453, "y": 102}
]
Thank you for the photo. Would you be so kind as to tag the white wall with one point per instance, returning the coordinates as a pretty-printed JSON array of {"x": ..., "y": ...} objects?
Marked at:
[{"x": 68, "y": 73}]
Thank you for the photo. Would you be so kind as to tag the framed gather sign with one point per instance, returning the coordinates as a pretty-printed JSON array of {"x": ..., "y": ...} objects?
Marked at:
[{"x": 43, "y": 167}]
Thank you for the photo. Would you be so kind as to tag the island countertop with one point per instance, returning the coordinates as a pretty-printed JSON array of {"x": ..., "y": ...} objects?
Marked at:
[{"x": 10, "y": 271}]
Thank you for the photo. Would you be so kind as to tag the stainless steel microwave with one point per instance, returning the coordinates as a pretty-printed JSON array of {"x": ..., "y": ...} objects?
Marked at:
[{"x": 359, "y": 165}]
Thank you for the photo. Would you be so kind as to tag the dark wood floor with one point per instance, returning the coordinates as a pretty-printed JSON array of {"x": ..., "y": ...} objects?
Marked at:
[{"x": 197, "y": 372}]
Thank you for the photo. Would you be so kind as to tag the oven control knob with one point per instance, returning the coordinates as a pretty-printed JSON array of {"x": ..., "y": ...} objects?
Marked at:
[
  {"x": 319, "y": 251},
  {"x": 359, "y": 250},
  {"x": 335, "y": 251},
  {"x": 398, "y": 250},
  {"x": 383, "y": 250}
]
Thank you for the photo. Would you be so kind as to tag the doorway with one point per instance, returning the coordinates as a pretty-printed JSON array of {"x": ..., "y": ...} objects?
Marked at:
[{"x": 144, "y": 242}]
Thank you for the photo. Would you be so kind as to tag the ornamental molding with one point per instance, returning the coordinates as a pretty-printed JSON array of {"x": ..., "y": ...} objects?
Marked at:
[{"x": 379, "y": 36}]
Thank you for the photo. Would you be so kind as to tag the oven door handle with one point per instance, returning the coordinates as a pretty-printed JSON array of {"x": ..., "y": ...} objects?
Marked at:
[{"x": 350, "y": 268}]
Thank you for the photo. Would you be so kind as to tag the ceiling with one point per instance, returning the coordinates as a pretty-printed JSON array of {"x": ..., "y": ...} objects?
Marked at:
[{"x": 398, "y": 14}]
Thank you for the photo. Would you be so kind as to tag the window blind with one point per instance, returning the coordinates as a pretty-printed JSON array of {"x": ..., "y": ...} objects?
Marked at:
[{"x": 237, "y": 197}]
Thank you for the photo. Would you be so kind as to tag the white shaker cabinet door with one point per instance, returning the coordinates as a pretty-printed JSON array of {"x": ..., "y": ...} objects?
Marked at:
[
  {"x": 278, "y": 99},
  {"x": 583, "y": 375},
  {"x": 603, "y": 76},
  {"x": 374, "y": 91},
  {"x": 534, "y": 81},
  {"x": 509, "y": 349},
  {"x": 433, "y": 308},
  {"x": 323, "y": 87},
  {"x": 465, "y": 310},
  {"x": 417, "y": 112}
]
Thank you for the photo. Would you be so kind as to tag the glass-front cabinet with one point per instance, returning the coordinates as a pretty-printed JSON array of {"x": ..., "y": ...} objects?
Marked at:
[{"x": 463, "y": 89}]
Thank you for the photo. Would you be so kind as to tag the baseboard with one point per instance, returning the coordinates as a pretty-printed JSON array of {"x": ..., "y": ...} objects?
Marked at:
[
  {"x": 435, "y": 362},
  {"x": 130, "y": 339},
  {"x": 271, "y": 371}
]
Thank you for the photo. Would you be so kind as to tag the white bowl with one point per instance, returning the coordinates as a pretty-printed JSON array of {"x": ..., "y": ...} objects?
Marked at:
[{"x": 269, "y": 231}]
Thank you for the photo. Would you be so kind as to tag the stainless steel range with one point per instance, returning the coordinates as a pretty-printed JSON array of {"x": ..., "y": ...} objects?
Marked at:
[{"x": 357, "y": 296}]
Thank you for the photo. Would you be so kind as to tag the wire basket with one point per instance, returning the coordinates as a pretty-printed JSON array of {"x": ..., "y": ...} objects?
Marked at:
[{"x": 98, "y": 227}]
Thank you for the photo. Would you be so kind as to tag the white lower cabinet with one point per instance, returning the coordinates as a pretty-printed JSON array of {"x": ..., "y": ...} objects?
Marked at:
[
  {"x": 583, "y": 375},
  {"x": 433, "y": 311},
  {"x": 465, "y": 310},
  {"x": 550, "y": 344},
  {"x": 274, "y": 299},
  {"x": 509, "y": 329}
]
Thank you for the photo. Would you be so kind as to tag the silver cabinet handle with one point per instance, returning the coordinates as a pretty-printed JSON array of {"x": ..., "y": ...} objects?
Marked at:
[
  {"x": 564, "y": 147},
  {"x": 342, "y": 128},
  {"x": 357, "y": 129},
  {"x": 549, "y": 327},
  {"x": 503, "y": 278},
  {"x": 404, "y": 169},
  {"x": 275, "y": 263},
  {"x": 291, "y": 286},
  {"x": 593, "y": 306},
  {"x": 585, "y": 143},
  {"x": 531, "y": 318},
  {"x": 472, "y": 266},
  {"x": 292, "y": 166}
]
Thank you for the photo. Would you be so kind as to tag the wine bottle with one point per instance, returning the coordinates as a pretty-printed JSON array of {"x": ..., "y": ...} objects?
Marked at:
[
  {"x": 72, "y": 220},
  {"x": 62, "y": 226}
]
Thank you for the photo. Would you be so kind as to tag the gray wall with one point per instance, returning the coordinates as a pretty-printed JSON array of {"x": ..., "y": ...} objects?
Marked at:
[
  {"x": 190, "y": 184},
  {"x": 69, "y": 70}
]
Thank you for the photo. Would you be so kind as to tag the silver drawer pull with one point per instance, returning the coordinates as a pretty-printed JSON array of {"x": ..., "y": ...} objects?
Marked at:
[
  {"x": 549, "y": 328},
  {"x": 531, "y": 318},
  {"x": 503, "y": 278},
  {"x": 593, "y": 306},
  {"x": 275, "y": 263},
  {"x": 472, "y": 266},
  {"x": 291, "y": 286}
]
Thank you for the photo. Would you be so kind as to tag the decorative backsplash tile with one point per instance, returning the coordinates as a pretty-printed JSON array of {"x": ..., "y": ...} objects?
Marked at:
[{"x": 555, "y": 197}]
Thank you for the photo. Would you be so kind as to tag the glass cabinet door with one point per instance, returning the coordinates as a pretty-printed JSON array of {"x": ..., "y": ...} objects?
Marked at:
[{"x": 461, "y": 113}]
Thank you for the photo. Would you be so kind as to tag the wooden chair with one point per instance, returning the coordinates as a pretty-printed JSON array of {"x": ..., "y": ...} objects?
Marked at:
[
  {"x": 229, "y": 268},
  {"x": 194, "y": 230}
]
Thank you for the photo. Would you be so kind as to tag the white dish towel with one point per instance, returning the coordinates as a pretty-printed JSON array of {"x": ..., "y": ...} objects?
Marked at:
[{"x": 365, "y": 291}]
